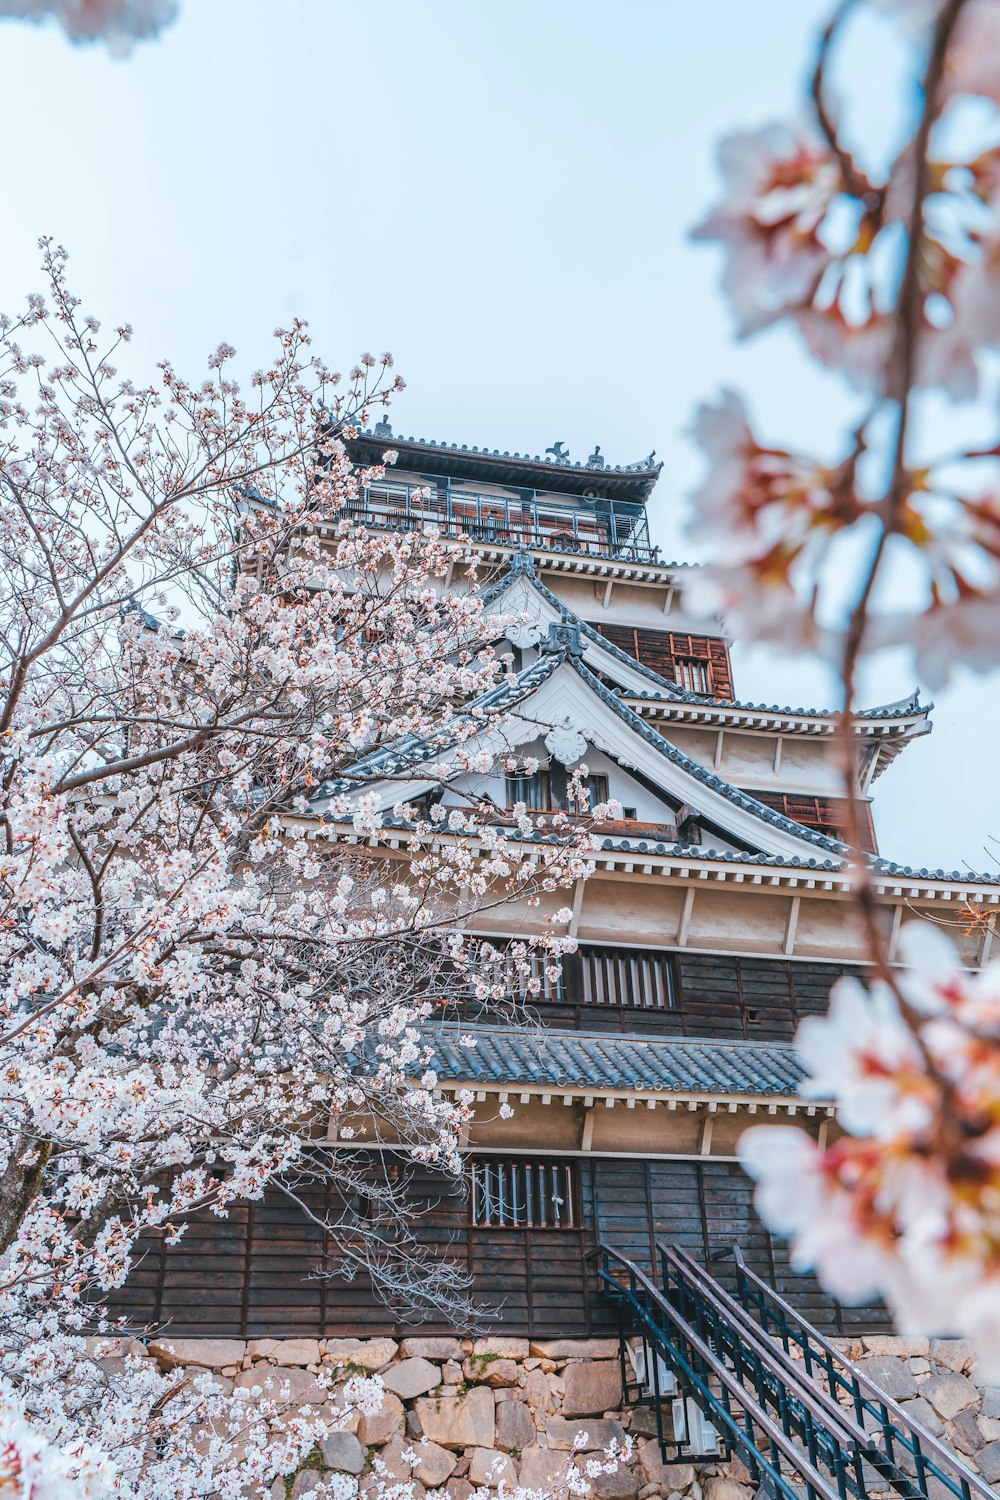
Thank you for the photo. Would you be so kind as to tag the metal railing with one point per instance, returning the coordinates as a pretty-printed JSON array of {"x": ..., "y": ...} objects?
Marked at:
[
  {"x": 901, "y": 1440},
  {"x": 802, "y": 1417},
  {"x": 671, "y": 1344},
  {"x": 494, "y": 521}
]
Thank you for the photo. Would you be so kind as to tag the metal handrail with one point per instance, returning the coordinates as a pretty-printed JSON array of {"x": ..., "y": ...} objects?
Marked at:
[
  {"x": 920, "y": 1442},
  {"x": 813, "y": 1397},
  {"x": 778, "y": 1442}
]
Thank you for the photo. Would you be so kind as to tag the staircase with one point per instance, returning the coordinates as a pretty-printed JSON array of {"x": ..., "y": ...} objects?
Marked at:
[{"x": 747, "y": 1375}]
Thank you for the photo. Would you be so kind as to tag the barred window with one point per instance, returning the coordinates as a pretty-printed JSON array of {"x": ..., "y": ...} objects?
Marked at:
[
  {"x": 692, "y": 675},
  {"x": 507, "y": 1193},
  {"x": 628, "y": 976}
]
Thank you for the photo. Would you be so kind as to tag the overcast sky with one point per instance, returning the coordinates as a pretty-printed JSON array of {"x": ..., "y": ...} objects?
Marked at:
[{"x": 501, "y": 194}]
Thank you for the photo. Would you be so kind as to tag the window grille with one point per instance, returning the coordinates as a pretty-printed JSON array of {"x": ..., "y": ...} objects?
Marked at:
[
  {"x": 630, "y": 977},
  {"x": 692, "y": 675},
  {"x": 507, "y": 1193},
  {"x": 518, "y": 984}
]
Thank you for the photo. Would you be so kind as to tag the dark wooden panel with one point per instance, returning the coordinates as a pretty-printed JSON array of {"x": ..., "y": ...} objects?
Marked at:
[
  {"x": 682, "y": 659},
  {"x": 825, "y": 814}
]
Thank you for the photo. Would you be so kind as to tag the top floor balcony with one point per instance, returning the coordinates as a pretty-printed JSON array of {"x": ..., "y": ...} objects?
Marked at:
[{"x": 594, "y": 528}]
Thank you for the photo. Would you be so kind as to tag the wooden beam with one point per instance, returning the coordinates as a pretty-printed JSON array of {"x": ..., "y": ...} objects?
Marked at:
[
  {"x": 987, "y": 942},
  {"x": 669, "y": 600},
  {"x": 897, "y": 917},
  {"x": 720, "y": 739},
  {"x": 574, "y": 920},
  {"x": 685, "y": 922},
  {"x": 791, "y": 925},
  {"x": 705, "y": 1147},
  {"x": 587, "y": 1133},
  {"x": 778, "y": 742},
  {"x": 608, "y": 588}
]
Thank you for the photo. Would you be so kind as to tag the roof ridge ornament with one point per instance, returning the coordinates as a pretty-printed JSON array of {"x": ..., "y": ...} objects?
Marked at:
[
  {"x": 563, "y": 638},
  {"x": 522, "y": 564}
]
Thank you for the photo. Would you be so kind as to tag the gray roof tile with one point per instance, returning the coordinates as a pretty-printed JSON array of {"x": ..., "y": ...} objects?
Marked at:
[{"x": 526, "y": 1057}]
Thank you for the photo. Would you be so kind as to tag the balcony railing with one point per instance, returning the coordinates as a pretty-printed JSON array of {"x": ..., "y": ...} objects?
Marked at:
[{"x": 536, "y": 524}]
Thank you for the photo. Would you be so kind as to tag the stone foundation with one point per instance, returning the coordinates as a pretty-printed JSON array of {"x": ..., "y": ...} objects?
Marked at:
[{"x": 508, "y": 1410}]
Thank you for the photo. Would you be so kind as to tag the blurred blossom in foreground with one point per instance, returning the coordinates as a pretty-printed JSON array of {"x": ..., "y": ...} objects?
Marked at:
[
  {"x": 117, "y": 23},
  {"x": 905, "y": 1204}
]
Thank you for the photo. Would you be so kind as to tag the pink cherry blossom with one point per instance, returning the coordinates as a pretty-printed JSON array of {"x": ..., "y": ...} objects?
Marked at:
[
  {"x": 118, "y": 23},
  {"x": 779, "y": 184}
]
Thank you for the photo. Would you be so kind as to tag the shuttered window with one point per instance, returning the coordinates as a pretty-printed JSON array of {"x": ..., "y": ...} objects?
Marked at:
[
  {"x": 510, "y": 1193},
  {"x": 628, "y": 977}
]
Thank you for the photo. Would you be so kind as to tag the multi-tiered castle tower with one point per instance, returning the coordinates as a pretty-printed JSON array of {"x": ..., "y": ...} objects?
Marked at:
[{"x": 717, "y": 916}]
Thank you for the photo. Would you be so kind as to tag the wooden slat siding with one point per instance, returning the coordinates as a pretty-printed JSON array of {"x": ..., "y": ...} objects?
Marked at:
[
  {"x": 706, "y": 1207},
  {"x": 534, "y": 1282},
  {"x": 659, "y": 649},
  {"x": 714, "y": 995},
  {"x": 825, "y": 814}
]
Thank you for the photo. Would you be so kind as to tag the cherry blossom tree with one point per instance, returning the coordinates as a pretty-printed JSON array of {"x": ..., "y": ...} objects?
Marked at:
[
  {"x": 213, "y": 967},
  {"x": 892, "y": 281},
  {"x": 119, "y": 24}
]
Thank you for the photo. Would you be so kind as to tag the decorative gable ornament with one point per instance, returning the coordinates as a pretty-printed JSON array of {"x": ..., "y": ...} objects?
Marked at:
[
  {"x": 526, "y": 628},
  {"x": 566, "y": 742}
]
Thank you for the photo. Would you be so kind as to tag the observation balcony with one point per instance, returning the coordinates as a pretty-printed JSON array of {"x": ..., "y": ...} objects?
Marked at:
[{"x": 599, "y": 527}]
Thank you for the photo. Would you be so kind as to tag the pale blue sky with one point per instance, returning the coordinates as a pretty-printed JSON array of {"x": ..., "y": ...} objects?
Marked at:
[{"x": 500, "y": 193}]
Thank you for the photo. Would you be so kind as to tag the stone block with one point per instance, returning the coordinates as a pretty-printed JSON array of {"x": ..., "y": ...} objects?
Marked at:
[
  {"x": 380, "y": 1426},
  {"x": 434, "y": 1464},
  {"x": 642, "y": 1421},
  {"x": 342, "y": 1451},
  {"x": 891, "y": 1375},
  {"x": 955, "y": 1354},
  {"x": 459, "y": 1421},
  {"x": 600, "y": 1431},
  {"x": 988, "y": 1462},
  {"x": 492, "y": 1468},
  {"x": 306, "y": 1480},
  {"x": 431, "y": 1348},
  {"x": 964, "y": 1433},
  {"x": 991, "y": 1400},
  {"x": 894, "y": 1345},
  {"x": 458, "y": 1488},
  {"x": 367, "y": 1354},
  {"x": 620, "y": 1484},
  {"x": 497, "y": 1372},
  {"x": 592, "y": 1387},
  {"x": 666, "y": 1476},
  {"x": 575, "y": 1348},
  {"x": 921, "y": 1411},
  {"x": 541, "y": 1468},
  {"x": 949, "y": 1394},
  {"x": 515, "y": 1426},
  {"x": 717, "y": 1487},
  {"x": 411, "y": 1378},
  {"x": 503, "y": 1347},
  {"x": 285, "y": 1351},
  {"x": 538, "y": 1391},
  {"x": 281, "y": 1384},
  {"x": 207, "y": 1354},
  {"x": 989, "y": 1427},
  {"x": 390, "y": 1461}
]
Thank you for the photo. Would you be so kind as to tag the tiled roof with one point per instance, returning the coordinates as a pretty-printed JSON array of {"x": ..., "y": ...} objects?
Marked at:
[
  {"x": 662, "y": 691},
  {"x": 576, "y": 1060}
]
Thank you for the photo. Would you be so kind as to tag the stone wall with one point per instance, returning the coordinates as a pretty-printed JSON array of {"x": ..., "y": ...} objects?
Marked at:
[
  {"x": 936, "y": 1382},
  {"x": 496, "y": 1409}
]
